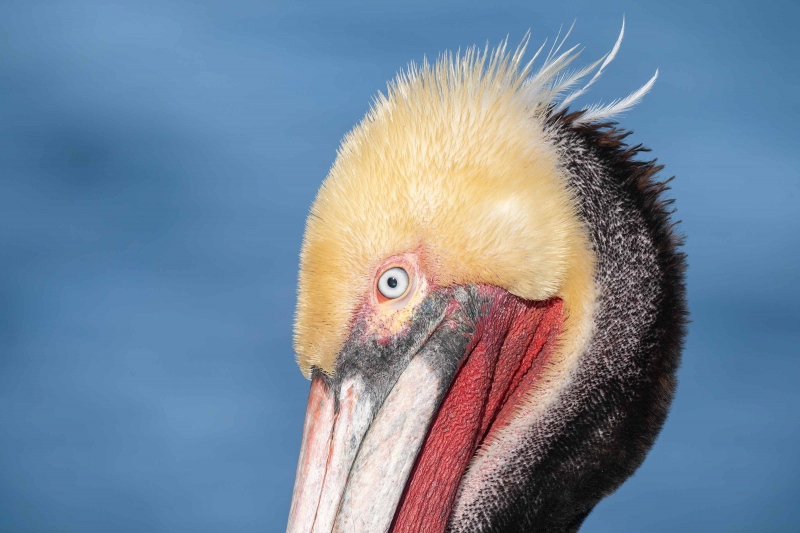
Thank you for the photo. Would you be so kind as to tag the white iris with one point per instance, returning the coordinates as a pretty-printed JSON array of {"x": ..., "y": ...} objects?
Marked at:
[{"x": 393, "y": 283}]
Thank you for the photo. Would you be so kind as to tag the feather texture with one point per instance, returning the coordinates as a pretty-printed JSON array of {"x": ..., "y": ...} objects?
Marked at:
[{"x": 455, "y": 162}]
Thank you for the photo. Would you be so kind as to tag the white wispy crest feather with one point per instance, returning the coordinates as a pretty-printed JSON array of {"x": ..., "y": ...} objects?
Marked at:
[
  {"x": 546, "y": 86},
  {"x": 597, "y": 112},
  {"x": 608, "y": 59}
]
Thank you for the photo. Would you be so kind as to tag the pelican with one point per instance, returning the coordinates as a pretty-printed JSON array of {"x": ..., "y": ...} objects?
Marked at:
[{"x": 490, "y": 306}]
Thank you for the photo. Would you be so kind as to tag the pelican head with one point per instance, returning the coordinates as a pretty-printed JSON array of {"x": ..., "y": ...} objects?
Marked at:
[{"x": 490, "y": 306}]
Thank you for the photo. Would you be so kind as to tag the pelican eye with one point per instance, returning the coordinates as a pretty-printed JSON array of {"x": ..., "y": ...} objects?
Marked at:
[{"x": 393, "y": 283}]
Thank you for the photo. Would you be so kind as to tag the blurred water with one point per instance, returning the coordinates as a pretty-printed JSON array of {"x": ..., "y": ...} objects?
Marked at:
[{"x": 157, "y": 160}]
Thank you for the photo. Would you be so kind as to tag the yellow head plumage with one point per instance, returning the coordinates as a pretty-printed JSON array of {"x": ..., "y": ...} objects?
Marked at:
[{"x": 455, "y": 162}]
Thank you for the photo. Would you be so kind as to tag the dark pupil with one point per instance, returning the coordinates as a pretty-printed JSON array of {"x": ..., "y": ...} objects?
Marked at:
[{"x": 392, "y": 282}]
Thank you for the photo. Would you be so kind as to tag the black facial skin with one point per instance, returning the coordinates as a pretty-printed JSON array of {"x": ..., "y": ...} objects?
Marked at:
[{"x": 379, "y": 365}]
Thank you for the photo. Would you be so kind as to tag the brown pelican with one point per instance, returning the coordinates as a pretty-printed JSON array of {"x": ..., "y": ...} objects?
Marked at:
[{"x": 491, "y": 305}]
